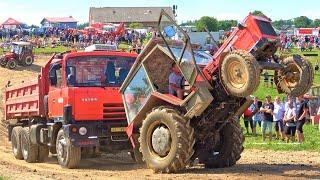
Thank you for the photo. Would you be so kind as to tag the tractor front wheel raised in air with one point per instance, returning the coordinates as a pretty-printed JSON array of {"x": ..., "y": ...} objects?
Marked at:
[
  {"x": 68, "y": 155},
  {"x": 297, "y": 76},
  {"x": 229, "y": 149},
  {"x": 166, "y": 141},
  {"x": 240, "y": 73}
]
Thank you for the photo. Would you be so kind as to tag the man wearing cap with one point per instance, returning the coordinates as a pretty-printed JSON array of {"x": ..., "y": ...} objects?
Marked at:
[{"x": 267, "y": 120}]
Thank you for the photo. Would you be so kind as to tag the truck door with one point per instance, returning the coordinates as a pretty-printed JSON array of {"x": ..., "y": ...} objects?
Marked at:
[{"x": 55, "y": 98}]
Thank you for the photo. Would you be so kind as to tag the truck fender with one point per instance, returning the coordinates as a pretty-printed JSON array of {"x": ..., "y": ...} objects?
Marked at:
[{"x": 35, "y": 133}]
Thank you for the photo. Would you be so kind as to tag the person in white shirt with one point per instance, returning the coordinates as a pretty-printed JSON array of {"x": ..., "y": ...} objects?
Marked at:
[
  {"x": 289, "y": 120},
  {"x": 278, "y": 113}
]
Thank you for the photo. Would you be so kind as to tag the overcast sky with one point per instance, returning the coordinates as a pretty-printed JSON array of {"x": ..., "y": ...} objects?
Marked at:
[{"x": 32, "y": 11}]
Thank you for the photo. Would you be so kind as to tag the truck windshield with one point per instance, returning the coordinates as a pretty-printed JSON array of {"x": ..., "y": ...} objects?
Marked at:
[{"x": 101, "y": 71}]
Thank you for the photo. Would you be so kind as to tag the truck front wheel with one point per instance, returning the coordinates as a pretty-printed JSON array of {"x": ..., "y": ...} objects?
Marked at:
[
  {"x": 16, "y": 142},
  {"x": 68, "y": 155},
  {"x": 240, "y": 73},
  {"x": 29, "y": 150},
  {"x": 166, "y": 140}
]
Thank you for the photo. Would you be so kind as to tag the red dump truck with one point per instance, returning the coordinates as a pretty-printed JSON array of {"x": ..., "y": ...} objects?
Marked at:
[{"x": 73, "y": 108}]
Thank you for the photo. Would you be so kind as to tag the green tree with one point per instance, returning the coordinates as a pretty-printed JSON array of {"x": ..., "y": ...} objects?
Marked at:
[
  {"x": 258, "y": 13},
  {"x": 210, "y": 22},
  {"x": 227, "y": 24},
  {"x": 316, "y": 23},
  {"x": 135, "y": 25},
  {"x": 302, "y": 21},
  {"x": 282, "y": 24}
]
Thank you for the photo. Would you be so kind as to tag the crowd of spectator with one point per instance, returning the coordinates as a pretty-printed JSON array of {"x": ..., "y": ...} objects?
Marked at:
[
  {"x": 286, "y": 118},
  {"x": 303, "y": 42}
]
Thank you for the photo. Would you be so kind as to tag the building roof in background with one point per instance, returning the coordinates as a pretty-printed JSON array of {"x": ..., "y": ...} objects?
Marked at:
[
  {"x": 127, "y": 14},
  {"x": 69, "y": 19},
  {"x": 11, "y": 21}
]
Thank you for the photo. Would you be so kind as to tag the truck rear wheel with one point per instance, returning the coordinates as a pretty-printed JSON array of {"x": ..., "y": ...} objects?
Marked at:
[
  {"x": 12, "y": 64},
  {"x": 29, "y": 150},
  {"x": 68, "y": 155},
  {"x": 240, "y": 73},
  {"x": 297, "y": 77},
  {"x": 166, "y": 141},
  {"x": 229, "y": 150},
  {"x": 43, "y": 153},
  {"x": 16, "y": 142}
]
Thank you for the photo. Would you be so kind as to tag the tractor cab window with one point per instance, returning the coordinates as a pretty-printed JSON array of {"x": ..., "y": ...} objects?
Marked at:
[
  {"x": 136, "y": 93},
  {"x": 55, "y": 75},
  {"x": 178, "y": 44},
  {"x": 98, "y": 71}
]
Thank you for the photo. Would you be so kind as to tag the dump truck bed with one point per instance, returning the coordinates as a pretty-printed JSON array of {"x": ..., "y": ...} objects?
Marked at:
[{"x": 24, "y": 100}]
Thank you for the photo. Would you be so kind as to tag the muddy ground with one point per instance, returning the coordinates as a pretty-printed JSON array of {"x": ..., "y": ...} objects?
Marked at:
[{"x": 254, "y": 164}]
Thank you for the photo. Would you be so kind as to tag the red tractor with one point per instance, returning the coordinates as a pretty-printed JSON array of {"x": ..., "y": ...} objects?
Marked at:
[
  {"x": 169, "y": 133},
  {"x": 21, "y": 53}
]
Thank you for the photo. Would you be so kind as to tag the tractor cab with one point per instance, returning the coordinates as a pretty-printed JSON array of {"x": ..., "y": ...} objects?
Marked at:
[
  {"x": 21, "y": 53},
  {"x": 148, "y": 81}
]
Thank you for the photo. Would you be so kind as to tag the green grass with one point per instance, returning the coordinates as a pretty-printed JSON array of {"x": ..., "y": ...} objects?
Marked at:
[
  {"x": 46, "y": 50},
  {"x": 311, "y": 133}
]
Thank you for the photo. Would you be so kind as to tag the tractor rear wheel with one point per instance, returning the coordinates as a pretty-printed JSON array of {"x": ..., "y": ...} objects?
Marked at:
[
  {"x": 166, "y": 140},
  {"x": 240, "y": 73},
  {"x": 29, "y": 151},
  {"x": 229, "y": 149},
  {"x": 16, "y": 142},
  {"x": 12, "y": 64},
  {"x": 28, "y": 61},
  {"x": 68, "y": 155},
  {"x": 297, "y": 77}
]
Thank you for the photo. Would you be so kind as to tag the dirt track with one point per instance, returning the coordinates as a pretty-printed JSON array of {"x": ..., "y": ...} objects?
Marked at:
[{"x": 254, "y": 164}]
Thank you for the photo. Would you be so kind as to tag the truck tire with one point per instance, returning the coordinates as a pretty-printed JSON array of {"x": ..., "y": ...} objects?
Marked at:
[
  {"x": 240, "y": 73},
  {"x": 29, "y": 151},
  {"x": 16, "y": 142},
  {"x": 296, "y": 78},
  {"x": 28, "y": 61},
  {"x": 166, "y": 141},
  {"x": 229, "y": 150},
  {"x": 68, "y": 155},
  {"x": 12, "y": 64},
  {"x": 43, "y": 153}
]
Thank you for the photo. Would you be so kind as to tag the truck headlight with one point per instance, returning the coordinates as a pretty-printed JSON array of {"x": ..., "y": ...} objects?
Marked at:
[{"x": 83, "y": 131}]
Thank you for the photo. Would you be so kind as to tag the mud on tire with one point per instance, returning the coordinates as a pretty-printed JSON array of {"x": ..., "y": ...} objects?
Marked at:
[
  {"x": 68, "y": 156},
  {"x": 16, "y": 142},
  {"x": 240, "y": 73},
  {"x": 230, "y": 148},
  {"x": 29, "y": 151},
  {"x": 302, "y": 78},
  {"x": 181, "y": 141}
]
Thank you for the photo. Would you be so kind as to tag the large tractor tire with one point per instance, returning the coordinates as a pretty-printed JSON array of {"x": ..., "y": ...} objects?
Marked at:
[
  {"x": 68, "y": 155},
  {"x": 12, "y": 64},
  {"x": 297, "y": 77},
  {"x": 240, "y": 73},
  {"x": 29, "y": 151},
  {"x": 28, "y": 61},
  {"x": 166, "y": 141},
  {"x": 229, "y": 150},
  {"x": 16, "y": 142}
]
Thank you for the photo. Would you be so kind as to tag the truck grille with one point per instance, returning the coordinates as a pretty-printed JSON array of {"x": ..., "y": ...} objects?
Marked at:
[{"x": 114, "y": 111}]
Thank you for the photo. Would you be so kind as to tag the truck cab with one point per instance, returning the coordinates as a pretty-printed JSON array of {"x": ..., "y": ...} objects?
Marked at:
[{"x": 73, "y": 108}]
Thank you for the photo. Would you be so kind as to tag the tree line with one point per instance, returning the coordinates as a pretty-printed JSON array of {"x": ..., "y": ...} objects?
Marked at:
[{"x": 215, "y": 25}]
